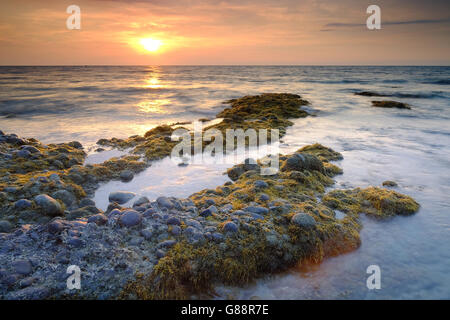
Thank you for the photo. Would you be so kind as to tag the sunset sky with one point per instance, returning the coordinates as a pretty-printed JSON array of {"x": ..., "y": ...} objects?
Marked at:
[{"x": 156, "y": 32}]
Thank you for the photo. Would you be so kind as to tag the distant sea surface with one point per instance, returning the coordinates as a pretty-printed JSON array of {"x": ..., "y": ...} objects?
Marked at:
[{"x": 412, "y": 147}]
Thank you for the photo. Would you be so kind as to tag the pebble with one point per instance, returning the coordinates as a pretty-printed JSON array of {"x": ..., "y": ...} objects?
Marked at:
[
  {"x": 49, "y": 206},
  {"x": 121, "y": 197},
  {"x": 126, "y": 176},
  {"x": 230, "y": 227},
  {"x": 130, "y": 218},
  {"x": 164, "y": 202},
  {"x": 23, "y": 267},
  {"x": 303, "y": 220},
  {"x": 257, "y": 209}
]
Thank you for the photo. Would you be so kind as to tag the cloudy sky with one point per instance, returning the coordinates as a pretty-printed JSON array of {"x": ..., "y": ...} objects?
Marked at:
[{"x": 225, "y": 32}]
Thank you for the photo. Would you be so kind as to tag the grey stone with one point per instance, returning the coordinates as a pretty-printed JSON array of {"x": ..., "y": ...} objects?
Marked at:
[
  {"x": 5, "y": 226},
  {"x": 164, "y": 202},
  {"x": 65, "y": 196},
  {"x": 174, "y": 221},
  {"x": 257, "y": 209},
  {"x": 141, "y": 201},
  {"x": 167, "y": 244},
  {"x": 55, "y": 227},
  {"x": 126, "y": 175},
  {"x": 121, "y": 197},
  {"x": 75, "y": 242},
  {"x": 86, "y": 202},
  {"x": 303, "y": 220},
  {"x": 260, "y": 184},
  {"x": 302, "y": 161},
  {"x": 48, "y": 205},
  {"x": 230, "y": 227},
  {"x": 23, "y": 267},
  {"x": 99, "y": 219},
  {"x": 264, "y": 197},
  {"x": 176, "y": 230},
  {"x": 130, "y": 218}
]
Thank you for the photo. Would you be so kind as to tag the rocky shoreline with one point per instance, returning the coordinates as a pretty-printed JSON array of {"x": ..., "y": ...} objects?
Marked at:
[{"x": 173, "y": 248}]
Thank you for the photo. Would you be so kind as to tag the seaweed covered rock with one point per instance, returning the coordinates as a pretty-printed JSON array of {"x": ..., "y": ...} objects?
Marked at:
[
  {"x": 376, "y": 202},
  {"x": 390, "y": 104},
  {"x": 302, "y": 161}
]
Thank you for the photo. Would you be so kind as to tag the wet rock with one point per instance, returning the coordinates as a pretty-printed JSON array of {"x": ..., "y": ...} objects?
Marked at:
[
  {"x": 99, "y": 219},
  {"x": 121, "y": 197},
  {"x": 164, "y": 202},
  {"x": 75, "y": 144},
  {"x": 55, "y": 227},
  {"x": 48, "y": 205},
  {"x": 174, "y": 221},
  {"x": 86, "y": 202},
  {"x": 160, "y": 254},
  {"x": 303, "y": 220},
  {"x": 30, "y": 149},
  {"x": 176, "y": 230},
  {"x": 167, "y": 244},
  {"x": 23, "y": 154},
  {"x": 390, "y": 104},
  {"x": 22, "y": 267},
  {"x": 260, "y": 184},
  {"x": 75, "y": 242},
  {"x": 65, "y": 196},
  {"x": 5, "y": 226},
  {"x": 126, "y": 176},
  {"x": 299, "y": 162},
  {"x": 147, "y": 234},
  {"x": 230, "y": 227},
  {"x": 193, "y": 223},
  {"x": 130, "y": 218},
  {"x": 23, "y": 204},
  {"x": 264, "y": 197},
  {"x": 141, "y": 201},
  {"x": 389, "y": 183},
  {"x": 256, "y": 209}
]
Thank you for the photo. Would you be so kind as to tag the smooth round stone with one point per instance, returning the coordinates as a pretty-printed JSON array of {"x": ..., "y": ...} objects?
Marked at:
[
  {"x": 264, "y": 197},
  {"x": 121, "y": 197},
  {"x": 49, "y": 206},
  {"x": 164, "y": 202},
  {"x": 86, "y": 202},
  {"x": 230, "y": 227},
  {"x": 174, "y": 221},
  {"x": 5, "y": 226},
  {"x": 65, "y": 196},
  {"x": 55, "y": 227},
  {"x": 126, "y": 175},
  {"x": 22, "y": 204},
  {"x": 23, "y": 154},
  {"x": 130, "y": 218},
  {"x": 256, "y": 209},
  {"x": 303, "y": 220},
  {"x": 260, "y": 184},
  {"x": 75, "y": 242},
  {"x": 141, "y": 201},
  {"x": 98, "y": 219},
  {"x": 176, "y": 230}
]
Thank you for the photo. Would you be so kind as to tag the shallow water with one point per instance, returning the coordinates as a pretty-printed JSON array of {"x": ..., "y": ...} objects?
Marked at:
[{"x": 58, "y": 104}]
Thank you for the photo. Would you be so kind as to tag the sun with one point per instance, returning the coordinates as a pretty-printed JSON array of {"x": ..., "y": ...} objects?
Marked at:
[{"x": 151, "y": 45}]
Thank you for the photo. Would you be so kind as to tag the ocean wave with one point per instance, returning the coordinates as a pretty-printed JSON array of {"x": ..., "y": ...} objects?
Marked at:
[{"x": 439, "y": 81}]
